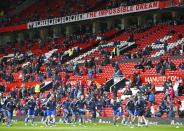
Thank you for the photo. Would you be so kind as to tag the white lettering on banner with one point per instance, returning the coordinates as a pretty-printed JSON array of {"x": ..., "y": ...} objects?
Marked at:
[
  {"x": 159, "y": 78},
  {"x": 96, "y": 14}
]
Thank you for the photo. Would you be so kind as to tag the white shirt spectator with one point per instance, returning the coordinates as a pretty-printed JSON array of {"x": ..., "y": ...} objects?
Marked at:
[{"x": 175, "y": 87}]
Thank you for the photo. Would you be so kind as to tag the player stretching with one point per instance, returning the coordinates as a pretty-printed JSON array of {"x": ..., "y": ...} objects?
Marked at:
[
  {"x": 10, "y": 106},
  {"x": 44, "y": 108},
  {"x": 81, "y": 104},
  {"x": 31, "y": 110},
  {"x": 74, "y": 111},
  {"x": 116, "y": 106},
  {"x": 66, "y": 107},
  {"x": 131, "y": 109},
  {"x": 1, "y": 109},
  {"x": 51, "y": 111},
  {"x": 140, "y": 109}
]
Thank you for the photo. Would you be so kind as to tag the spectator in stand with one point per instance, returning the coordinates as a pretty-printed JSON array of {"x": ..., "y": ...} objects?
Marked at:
[
  {"x": 171, "y": 93},
  {"x": 158, "y": 67},
  {"x": 106, "y": 60},
  {"x": 127, "y": 91},
  {"x": 181, "y": 66},
  {"x": 175, "y": 87},
  {"x": 162, "y": 66},
  {"x": 151, "y": 97},
  {"x": 180, "y": 89},
  {"x": 157, "y": 42},
  {"x": 138, "y": 80},
  {"x": 37, "y": 89},
  {"x": 86, "y": 63},
  {"x": 76, "y": 69},
  {"x": 167, "y": 83},
  {"x": 180, "y": 36},
  {"x": 170, "y": 65},
  {"x": 24, "y": 92},
  {"x": 90, "y": 74},
  {"x": 145, "y": 88},
  {"x": 13, "y": 93},
  {"x": 49, "y": 72},
  {"x": 148, "y": 64},
  {"x": 40, "y": 78},
  {"x": 131, "y": 38},
  {"x": 139, "y": 66},
  {"x": 165, "y": 46},
  {"x": 163, "y": 69}
]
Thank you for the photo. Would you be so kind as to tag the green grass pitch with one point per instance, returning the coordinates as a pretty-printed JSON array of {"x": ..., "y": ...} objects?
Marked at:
[{"x": 19, "y": 126}]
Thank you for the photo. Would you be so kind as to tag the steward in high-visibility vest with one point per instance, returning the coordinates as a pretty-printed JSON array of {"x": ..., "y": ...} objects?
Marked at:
[{"x": 37, "y": 88}]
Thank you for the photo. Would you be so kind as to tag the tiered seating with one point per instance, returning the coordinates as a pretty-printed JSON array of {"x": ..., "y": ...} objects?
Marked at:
[
  {"x": 173, "y": 42},
  {"x": 142, "y": 40},
  {"x": 45, "y": 50},
  {"x": 152, "y": 35}
]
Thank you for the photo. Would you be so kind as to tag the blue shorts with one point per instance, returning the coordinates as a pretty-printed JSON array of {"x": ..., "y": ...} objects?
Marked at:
[
  {"x": 116, "y": 113},
  {"x": 51, "y": 112},
  {"x": 135, "y": 113},
  {"x": 10, "y": 114},
  {"x": 66, "y": 111},
  {"x": 139, "y": 112},
  {"x": 81, "y": 112},
  {"x": 131, "y": 112},
  {"x": 31, "y": 112},
  {"x": 74, "y": 112},
  {"x": 44, "y": 112},
  {"x": 93, "y": 111},
  {"x": 3, "y": 111}
]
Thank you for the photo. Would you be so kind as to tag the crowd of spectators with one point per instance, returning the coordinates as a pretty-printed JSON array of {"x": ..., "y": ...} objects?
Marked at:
[
  {"x": 63, "y": 88},
  {"x": 162, "y": 65},
  {"x": 170, "y": 100}
]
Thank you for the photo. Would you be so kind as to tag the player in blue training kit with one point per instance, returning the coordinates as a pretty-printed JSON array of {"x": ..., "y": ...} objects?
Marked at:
[
  {"x": 74, "y": 111},
  {"x": 171, "y": 112},
  {"x": 92, "y": 107},
  {"x": 131, "y": 109},
  {"x": 44, "y": 108},
  {"x": 31, "y": 110},
  {"x": 140, "y": 110},
  {"x": 1, "y": 111},
  {"x": 51, "y": 111},
  {"x": 81, "y": 104},
  {"x": 116, "y": 106},
  {"x": 66, "y": 107},
  {"x": 10, "y": 106}
]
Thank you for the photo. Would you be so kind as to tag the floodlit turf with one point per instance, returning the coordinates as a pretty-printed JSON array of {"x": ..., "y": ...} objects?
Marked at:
[{"x": 88, "y": 127}]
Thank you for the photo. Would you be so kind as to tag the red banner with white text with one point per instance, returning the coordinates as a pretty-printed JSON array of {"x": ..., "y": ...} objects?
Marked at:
[
  {"x": 160, "y": 78},
  {"x": 93, "y": 15}
]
